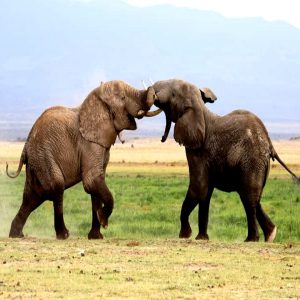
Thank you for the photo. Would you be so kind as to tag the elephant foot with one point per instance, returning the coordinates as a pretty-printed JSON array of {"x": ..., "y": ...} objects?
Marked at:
[
  {"x": 95, "y": 234},
  {"x": 270, "y": 237},
  {"x": 252, "y": 239},
  {"x": 185, "y": 233},
  {"x": 102, "y": 218},
  {"x": 15, "y": 234},
  {"x": 202, "y": 236},
  {"x": 63, "y": 235}
]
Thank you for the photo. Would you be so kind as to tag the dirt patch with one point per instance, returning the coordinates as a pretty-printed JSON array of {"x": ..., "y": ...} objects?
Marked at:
[
  {"x": 156, "y": 269},
  {"x": 201, "y": 266}
]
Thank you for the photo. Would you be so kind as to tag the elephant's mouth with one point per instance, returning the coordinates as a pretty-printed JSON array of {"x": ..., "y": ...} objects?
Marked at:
[{"x": 131, "y": 122}]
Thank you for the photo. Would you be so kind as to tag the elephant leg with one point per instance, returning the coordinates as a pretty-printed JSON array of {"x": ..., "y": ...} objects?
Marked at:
[
  {"x": 95, "y": 230},
  {"x": 94, "y": 163},
  {"x": 267, "y": 226},
  {"x": 102, "y": 204},
  {"x": 250, "y": 202},
  {"x": 187, "y": 207},
  {"x": 197, "y": 193},
  {"x": 203, "y": 216},
  {"x": 62, "y": 232},
  {"x": 30, "y": 202}
]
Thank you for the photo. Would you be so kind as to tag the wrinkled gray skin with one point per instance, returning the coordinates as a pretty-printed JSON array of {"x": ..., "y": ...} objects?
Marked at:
[
  {"x": 207, "y": 97},
  {"x": 230, "y": 153},
  {"x": 67, "y": 145}
]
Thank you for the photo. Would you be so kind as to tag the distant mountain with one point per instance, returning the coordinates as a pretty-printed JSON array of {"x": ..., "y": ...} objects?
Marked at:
[{"x": 55, "y": 52}]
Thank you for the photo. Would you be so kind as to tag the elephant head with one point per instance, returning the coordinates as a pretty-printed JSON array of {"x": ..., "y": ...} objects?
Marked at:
[
  {"x": 182, "y": 103},
  {"x": 111, "y": 108}
]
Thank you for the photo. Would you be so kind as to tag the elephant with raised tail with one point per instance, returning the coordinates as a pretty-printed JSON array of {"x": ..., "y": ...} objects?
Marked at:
[
  {"x": 69, "y": 145},
  {"x": 230, "y": 153}
]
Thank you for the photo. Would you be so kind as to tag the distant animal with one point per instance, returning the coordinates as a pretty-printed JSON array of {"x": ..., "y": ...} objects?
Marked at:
[
  {"x": 67, "y": 145},
  {"x": 230, "y": 153}
]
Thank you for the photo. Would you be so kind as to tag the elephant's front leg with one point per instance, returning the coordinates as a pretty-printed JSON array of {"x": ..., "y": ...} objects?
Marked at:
[
  {"x": 95, "y": 230},
  {"x": 196, "y": 194},
  {"x": 94, "y": 163},
  {"x": 203, "y": 216},
  {"x": 187, "y": 207},
  {"x": 102, "y": 205},
  {"x": 59, "y": 224}
]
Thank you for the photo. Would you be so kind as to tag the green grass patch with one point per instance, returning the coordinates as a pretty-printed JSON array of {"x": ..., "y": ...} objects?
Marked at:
[{"x": 147, "y": 206}]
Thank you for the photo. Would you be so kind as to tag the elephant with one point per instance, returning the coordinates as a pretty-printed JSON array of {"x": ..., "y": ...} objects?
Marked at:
[
  {"x": 207, "y": 96},
  {"x": 69, "y": 145},
  {"x": 229, "y": 153}
]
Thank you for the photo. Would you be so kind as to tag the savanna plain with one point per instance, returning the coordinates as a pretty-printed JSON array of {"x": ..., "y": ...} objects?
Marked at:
[{"x": 141, "y": 256}]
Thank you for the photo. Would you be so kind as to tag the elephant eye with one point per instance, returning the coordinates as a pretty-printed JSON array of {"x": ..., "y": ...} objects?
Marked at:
[{"x": 173, "y": 94}]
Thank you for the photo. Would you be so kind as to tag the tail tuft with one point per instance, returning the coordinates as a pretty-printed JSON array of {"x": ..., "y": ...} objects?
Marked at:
[
  {"x": 21, "y": 163},
  {"x": 296, "y": 180},
  {"x": 16, "y": 174}
]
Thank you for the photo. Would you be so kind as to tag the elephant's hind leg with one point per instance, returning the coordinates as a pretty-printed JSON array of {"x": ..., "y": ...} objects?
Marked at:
[
  {"x": 30, "y": 202},
  {"x": 267, "y": 226},
  {"x": 250, "y": 202},
  {"x": 62, "y": 232}
]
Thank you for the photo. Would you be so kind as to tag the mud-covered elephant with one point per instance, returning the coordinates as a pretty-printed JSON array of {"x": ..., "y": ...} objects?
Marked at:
[
  {"x": 69, "y": 145},
  {"x": 230, "y": 153}
]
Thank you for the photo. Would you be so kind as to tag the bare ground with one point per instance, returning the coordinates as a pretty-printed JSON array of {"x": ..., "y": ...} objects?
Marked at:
[{"x": 149, "y": 269}]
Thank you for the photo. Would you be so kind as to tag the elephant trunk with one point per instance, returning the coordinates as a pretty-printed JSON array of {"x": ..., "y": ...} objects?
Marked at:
[
  {"x": 151, "y": 97},
  {"x": 167, "y": 128},
  {"x": 147, "y": 99}
]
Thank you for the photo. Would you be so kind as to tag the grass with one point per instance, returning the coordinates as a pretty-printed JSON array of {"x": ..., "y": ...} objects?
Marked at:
[
  {"x": 147, "y": 206},
  {"x": 147, "y": 269},
  {"x": 141, "y": 256}
]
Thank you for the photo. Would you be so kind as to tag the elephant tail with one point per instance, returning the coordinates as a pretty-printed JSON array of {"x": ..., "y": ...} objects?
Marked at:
[
  {"x": 21, "y": 163},
  {"x": 296, "y": 179}
]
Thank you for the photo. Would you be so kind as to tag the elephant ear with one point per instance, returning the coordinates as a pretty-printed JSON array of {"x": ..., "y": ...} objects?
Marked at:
[
  {"x": 208, "y": 95},
  {"x": 190, "y": 129},
  {"x": 95, "y": 121}
]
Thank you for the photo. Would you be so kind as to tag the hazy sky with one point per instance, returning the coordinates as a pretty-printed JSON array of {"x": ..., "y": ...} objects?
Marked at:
[{"x": 286, "y": 10}]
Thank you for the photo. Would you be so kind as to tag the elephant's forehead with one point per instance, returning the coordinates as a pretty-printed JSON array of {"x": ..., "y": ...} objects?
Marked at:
[{"x": 164, "y": 83}]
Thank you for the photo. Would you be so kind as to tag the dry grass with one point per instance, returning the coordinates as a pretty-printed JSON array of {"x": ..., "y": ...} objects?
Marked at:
[
  {"x": 10, "y": 151},
  {"x": 148, "y": 269},
  {"x": 159, "y": 269},
  {"x": 155, "y": 157}
]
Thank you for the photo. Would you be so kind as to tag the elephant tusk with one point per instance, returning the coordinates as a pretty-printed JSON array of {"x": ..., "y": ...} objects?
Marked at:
[
  {"x": 141, "y": 113},
  {"x": 153, "y": 113},
  {"x": 144, "y": 85}
]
